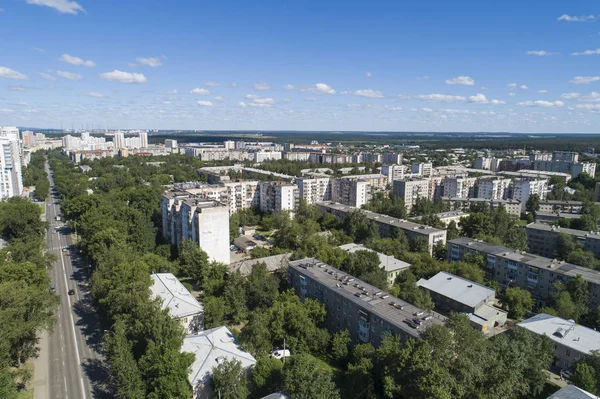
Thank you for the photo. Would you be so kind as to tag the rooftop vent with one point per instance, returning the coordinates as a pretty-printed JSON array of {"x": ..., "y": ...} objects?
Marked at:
[{"x": 470, "y": 286}]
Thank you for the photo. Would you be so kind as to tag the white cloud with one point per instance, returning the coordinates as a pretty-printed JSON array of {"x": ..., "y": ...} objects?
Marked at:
[
  {"x": 150, "y": 61},
  {"x": 321, "y": 88},
  {"x": 260, "y": 100},
  {"x": 352, "y": 105},
  {"x": 124, "y": 77},
  {"x": 7, "y": 73},
  {"x": 369, "y": 74},
  {"x": 310, "y": 99},
  {"x": 512, "y": 94},
  {"x": 439, "y": 98},
  {"x": 593, "y": 97},
  {"x": 212, "y": 84},
  {"x": 542, "y": 91},
  {"x": 174, "y": 91},
  {"x": 589, "y": 107},
  {"x": 200, "y": 90},
  {"x": 523, "y": 87},
  {"x": 6, "y": 110},
  {"x": 482, "y": 99},
  {"x": 205, "y": 103},
  {"x": 39, "y": 50},
  {"x": 368, "y": 93},
  {"x": 573, "y": 18},
  {"x": 541, "y": 53},
  {"x": 289, "y": 87},
  {"x": 69, "y": 75},
  {"x": 16, "y": 88},
  {"x": 512, "y": 86},
  {"x": 220, "y": 98},
  {"x": 542, "y": 103},
  {"x": 426, "y": 110},
  {"x": 588, "y": 52},
  {"x": 64, "y": 6},
  {"x": 262, "y": 86},
  {"x": 69, "y": 59},
  {"x": 570, "y": 96},
  {"x": 131, "y": 64},
  {"x": 94, "y": 94},
  {"x": 578, "y": 80},
  {"x": 461, "y": 80},
  {"x": 422, "y": 77}
]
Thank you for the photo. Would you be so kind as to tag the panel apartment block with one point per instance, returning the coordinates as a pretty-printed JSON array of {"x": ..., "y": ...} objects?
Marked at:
[
  {"x": 351, "y": 304},
  {"x": 387, "y": 224},
  {"x": 534, "y": 273},
  {"x": 541, "y": 239}
]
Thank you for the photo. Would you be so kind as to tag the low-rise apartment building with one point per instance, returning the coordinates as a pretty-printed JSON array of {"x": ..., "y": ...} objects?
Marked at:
[
  {"x": 351, "y": 304},
  {"x": 181, "y": 303},
  {"x": 512, "y": 207},
  {"x": 512, "y": 268},
  {"x": 387, "y": 224},
  {"x": 541, "y": 239},
  {"x": 561, "y": 206},
  {"x": 447, "y": 217},
  {"x": 451, "y": 293},
  {"x": 572, "y": 341}
]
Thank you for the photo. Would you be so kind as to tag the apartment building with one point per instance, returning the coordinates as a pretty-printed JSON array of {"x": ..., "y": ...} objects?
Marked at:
[
  {"x": 393, "y": 158},
  {"x": 11, "y": 161},
  {"x": 447, "y": 217},
  {"x": 486, "y": 163},
  {"x": 387, "y": 224},
  {"x": 181, "y": 303},
  {"x": 459, "y": 187},
  {"x": 351, "y": 304},
  {"x": 451, "y": 293},
  {"x": 422, "y": 169},
  {"x": 314, "y": 189},
  {"x": 571, "y": 341},
  {"x": 534, "y": 273},
  {"x": 352, "y": 192},
  {"x": 410, "y": 190},
  {"x": 493, "y": 189},
  {"x": 237, "y": 195},
  {"x": 378, "y": 182},
  {"x": 296, "y": 156},
  {"x": 512, "y": 207},
  {"x": 561, "y": 206},
  {"x": 277, "y": 196},
  {"x": 524, "y": 188},
  {"x": 202, "y": 220},
  {"x": 541, "y": 239},
  {"x": 394, "y": 172},
  {"x": 262, "y": 156}
]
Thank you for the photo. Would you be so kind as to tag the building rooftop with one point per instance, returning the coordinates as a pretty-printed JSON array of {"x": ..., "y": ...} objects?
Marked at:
[
  {"x": 559, "y": 267},
  {"x": 386, "y": 262},
  {"x": 445, "y": 215},
  {"x": 370, "y": 298},
  {"x": 273, "y": 263},
  {"x": 558, "y": 215},
  {"x": 458, "y": 289},
  {"x": 211, "y": 347},
  {"x": 174, "y": 295},
  {"x": 571, "y": 392},
  {"x": 558, "y": 229},
  {"x": 400, "y": 223},
  {"x": 565, "y": 332},
  {"x": 498, "y": 201}
]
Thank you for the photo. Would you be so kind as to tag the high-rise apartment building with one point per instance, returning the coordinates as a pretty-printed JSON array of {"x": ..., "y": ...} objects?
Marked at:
[
  {"x": 277, "y": 196},
  {"x": 354, "y": 192},
  {"x": 314, "y": 189},
  {"x": 11, "y": 178},
  {"x": 494, "y": 189},
  {"x": 143, "y": 139},
  {"x": 411, "y": 189},
  {"x": 119, "y": 141},
  {"x": 459, "y": 187},
  {"x": 525, "y": 188}
]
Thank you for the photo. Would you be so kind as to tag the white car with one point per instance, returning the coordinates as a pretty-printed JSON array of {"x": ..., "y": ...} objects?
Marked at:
[{"x": 280, "y": 353}]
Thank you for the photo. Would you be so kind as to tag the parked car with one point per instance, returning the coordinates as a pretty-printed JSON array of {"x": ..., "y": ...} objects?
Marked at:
[
  {"x": 71, "y": 291},
  {"x": 566, "y": 374},
  {"x": 280, "y": 353}
]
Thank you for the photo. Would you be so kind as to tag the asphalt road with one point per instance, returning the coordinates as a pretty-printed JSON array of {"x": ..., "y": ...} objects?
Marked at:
[{"x": 75, "y": 366}]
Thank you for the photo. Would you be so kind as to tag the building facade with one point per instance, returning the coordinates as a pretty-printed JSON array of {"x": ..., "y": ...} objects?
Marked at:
[{"x": 541, "y": 239}]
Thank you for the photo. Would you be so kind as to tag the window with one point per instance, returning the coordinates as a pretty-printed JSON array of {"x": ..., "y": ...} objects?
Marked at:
[{"x": 568, "y": 353}]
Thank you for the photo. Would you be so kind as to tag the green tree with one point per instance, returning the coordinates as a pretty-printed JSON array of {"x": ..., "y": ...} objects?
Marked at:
[
  {"x": 564, "y": 246},
  {"x": 516, "y": 238},
  {"x": 123, "y": 367},
  {"x": 267, "y": 375},
  {"x": 413, "y": 294},
  {"x": 261, "y": 287},
  {"x": 256, "y": 335},
  {"x": 193, "y": 261},
  {"x": 235, "y": 297},
  {"x": 228, "y": 379},
  {"x": 305, "y": 379},
  {"x": 215, "y": 310},
  {"x": 518, "y": 302},
  {"x": 339, "y": 345},
  {"x": 533, "y": 203},
  {"x": 585, "y": 378}
]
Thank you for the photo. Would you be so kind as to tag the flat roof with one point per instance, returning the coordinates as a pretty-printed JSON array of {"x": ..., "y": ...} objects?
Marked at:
[
  {"x": 458, "y": 289},
  {"x": 363, "y": 294},
  {"x": 400, "y": 223},
  {"x": 558, "y": 229},
  {"x": 559, "y": 215},
  {"x": 559, "y": 267},
  {"x": 565, "y": 332},
  {"x": 500, "y": 201},
  {"x": 386, "y": 262},
  {"x": 174, "y": 295}
]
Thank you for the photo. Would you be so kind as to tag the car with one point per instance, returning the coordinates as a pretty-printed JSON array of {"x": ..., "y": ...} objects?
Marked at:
[
  {"x": 566, "y": 374},
  {"x": 71, "y": 291},
  {"x": 52, "y": 289},
  {"x": 65, "y": 250},
  {"x": 280, "y": 353}
]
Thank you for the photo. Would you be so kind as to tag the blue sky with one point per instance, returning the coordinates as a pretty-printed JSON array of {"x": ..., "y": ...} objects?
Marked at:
[{"x": 526, "y": 66}]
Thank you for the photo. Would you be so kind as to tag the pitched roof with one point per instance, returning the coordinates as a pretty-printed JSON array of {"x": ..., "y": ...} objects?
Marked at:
[
  {"x": 174, "y": 295},
  {"x": 273, "y": 263},
  {"x": 211, "y": 347}
]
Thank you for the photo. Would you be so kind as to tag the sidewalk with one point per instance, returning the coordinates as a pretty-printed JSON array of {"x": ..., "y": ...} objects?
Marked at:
[{"x": 40, "y": 383}]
